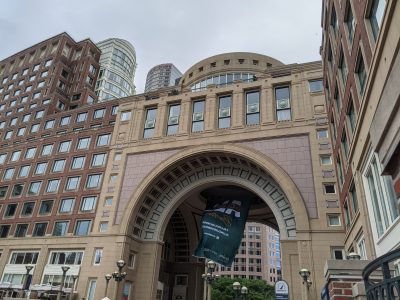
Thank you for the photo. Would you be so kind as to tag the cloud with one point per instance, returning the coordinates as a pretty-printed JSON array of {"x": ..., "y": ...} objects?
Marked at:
[{"x": 179, "y": 31}]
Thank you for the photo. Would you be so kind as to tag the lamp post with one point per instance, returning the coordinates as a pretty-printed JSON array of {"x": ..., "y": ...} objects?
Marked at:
[
  {"x": 28, "y": 270},
  {"x": 236, "y": 288},
  {"x": 209, "y": 277},
  {"x": 119, "y": 276},
  {"x": 244, "y": 291},
  {"x": 74, "y": 278},
  {"x": 64, "y": 270},
  {"x": 107, "y": 277},
  {"x": 305, "y": 274}
]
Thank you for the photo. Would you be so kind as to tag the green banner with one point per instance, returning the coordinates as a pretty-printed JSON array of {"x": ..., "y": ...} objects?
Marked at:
[{"x": 222, "y": 225}]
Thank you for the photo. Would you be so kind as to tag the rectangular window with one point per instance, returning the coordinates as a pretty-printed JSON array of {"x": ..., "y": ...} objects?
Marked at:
[
  {"x": 361, "y": 73},
  {"x": 46, "y": 207},
  {"x": 81, "y": 117},
  {"x": 83, "y": 143},
  {"x": 98, "y": 253},
  {"x": 39, "y": 229},
  {"x": 78, "y": 162},
  {"x": 41, "y": 168},
  {"x": 8, "y": 174},
  {"x": 351, "y": 116},
  {"x": 4, "y": 230},
  {"x": 343, "y": 68},
  {"x": 34, "y": 188},
  {"x": 322, "y": 133},
  {"x": 3, "y": 191},
  {"x": 103, "y": 227},
  {"x": 150, "y": 123},
  {"x": 58, "y": 165},
  {"x": 334, "y": 20},
  {"x": 64, "y": 146},
  {"x": 253, "y": 108},
  {"x": 224, "y": 112},
  {"x": 66, "y": 258},
  {"x": 91, "y": 290},
  {"x": 72, "y": 183},
  {"x": 376, "y": 15},
  {"x": 3, "y": 157},
  {"x": 49, "y": 124},
  {"x": 65, "y": 120},
  {"x": 329, "y": 189},
  {"x": 198, "y": 116},
  {"x": 10, "y": 210},
  {"x": 345, "y": 144},
  {"x": 126, "y": 115},
  {"x": 24, "y": 171},
  {"x": 88, "y": 203},
  {"x": 52, "y": 186},
  {"x": 173, "y": 119},
  {"x": 338, "y": 101},
  {"x": 27, "y": 209},
  {"x": 353, "y": 196},
  {"x": 98, "y": 113},
  {"x": 103, "y": 140},
  {"x": 47, "y": 149},
  {"x": 17, "y": 190},
  {"x": 350, "y": 22},
  {"x": 82, "y": 227},
  {"x": 66, "y": 205},
  {"x": 93, "y": 181},
  {"x": 334, "y": 220},
  {"x": 21, "y": 230},
  {"x": 60, "y": 228},
  {"x": 30, "y": 153},
  {"x": 315, "y": 86},
  {"x": 282, "y": 97},
  {"x": 99, "y": 159},
  {"x": 340, "y": 171}
]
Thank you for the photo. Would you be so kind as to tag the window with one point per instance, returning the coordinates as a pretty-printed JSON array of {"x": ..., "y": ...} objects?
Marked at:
[
  {"x": 329, "y": 189},
  {"x": 8, "y": 174},
  {"x": 17, "y": 190},
  {"x": 340, "y": 171},
  {"x": 103, "y": 140},
  {"x": 44, "y": 74},
  {"x": 3, "y": 191},
  {"x": 35, "y": 67},
  {"x": 315, "y": 85},
  {"x": 88, "y": 203},
  {"x": 93, "y": 181},
  {"x": 47, "y": 149},
  {"x": 337, "y": 253},
  {"x": 361, "y": 248},
  {"x": 322, "y": 134},
  {"x": 380, "y": 195},
  {"x": 39, "y": 114},
  {"x": 49, "y": 124},
  {"x": 3, "y": 157},
  {"x": 99, "y": 159},
  {"x": 52, "y": 186},
  {"x": 343, "y": 67},
  {"x": 13, "y": 121},
  {"x": 78, "y": 162},
  {"x": 60, "y": 228},
  {"x": 34, "y": 188},
  {"x": 173, "y": 119},
  {"x": 4, "y": 230},
  {"x": 350, "y": 22},
  {"x": 224, "y": 112},
  {"x": 326, "y": 160},
  {"x": 99, "y": 113},
  {"x": 81, "y": 117},
  {"x": 21, "y": 230},
  {"x": 30, "y": 153},
  {"x": 108, "y": 201},
  {"x": 98, "y": 253},
  {"x": 345, "y": 145},
  {"x": 336, "y": 96},
  {"x": 353, "y": 197},
  {"x": 91, "y": 289},
  {"x": 27, "y": 208},
  {"x": 24, "y": 171},
  {"x": 66, "y": 258},
  {"x": 58, "y": 165},
  {"x": 8, "y": 135},
  {"x": 46, "y": 207},
  {"x": 150, "y": 123},
  {"x": 376, "y": 16},
  {"x": 252, "y": 108},
  {"x": 334, "y": 20},
  {"x": 23, "y": 258},
  {"x": 64, "y": 146},
  {"x": 21, "y": 131},
  {"x": 360, "y": 73},
  {"x": 103, "y": 226},
  {"x": 351, "y": 116},
  {"x": 114, "y": 110},
  {"x": 333, "y": 220},
  {"x": 117, "y": 156},
  {"x": 65, "y": 120},
  {"x": 34, "y": 128},
  {"x": 72, "y": 183},
  {"x": 48, "y": 63},
  {"x": 82, "y": 227},
  {"x": 66, "y": 205},
  {"x": 10, "y": 210},
  {"x": 131, "y": 260},
  {"x": 41, "y": 168},
  {"x": 39, "y": 229},
  {"x": 282, "y": 97},
  {"x": 83, "y": 143},
  {"x": 198, "y": 116},
  {"x": 126, "y": 115}
]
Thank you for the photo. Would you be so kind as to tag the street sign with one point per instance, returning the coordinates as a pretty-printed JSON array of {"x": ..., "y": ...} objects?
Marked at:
[{"x": 281, "y": 290}]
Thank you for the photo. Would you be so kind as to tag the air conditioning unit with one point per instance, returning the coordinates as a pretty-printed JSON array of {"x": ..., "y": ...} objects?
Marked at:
[
  {"x": 224, "y": 112},
  {"x": 149, "y": 124},
  {"x": 199, "y": 116},
  {"x": 173, "y": 120},
  {"x": 282, "y": 103},
  {"x": 253, "y": 108}
]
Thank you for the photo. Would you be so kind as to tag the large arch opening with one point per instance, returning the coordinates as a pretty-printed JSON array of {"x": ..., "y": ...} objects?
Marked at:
[{"x": 165, "y": 211}]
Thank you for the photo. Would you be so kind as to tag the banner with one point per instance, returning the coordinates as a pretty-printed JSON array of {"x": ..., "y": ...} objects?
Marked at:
[{"x": 222, "y": 225}]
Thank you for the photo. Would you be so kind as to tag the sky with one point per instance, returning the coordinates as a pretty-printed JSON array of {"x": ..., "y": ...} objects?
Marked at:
[{"x": 181, "y": 32}]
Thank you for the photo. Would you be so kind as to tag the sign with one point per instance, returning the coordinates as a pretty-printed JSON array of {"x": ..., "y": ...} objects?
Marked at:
[
  {"x": 222, "y": 226},
  {"x": 281, "y": 290}
]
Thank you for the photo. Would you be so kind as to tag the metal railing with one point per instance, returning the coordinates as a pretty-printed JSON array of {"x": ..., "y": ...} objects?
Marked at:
[{"x": 382, "y": 277}]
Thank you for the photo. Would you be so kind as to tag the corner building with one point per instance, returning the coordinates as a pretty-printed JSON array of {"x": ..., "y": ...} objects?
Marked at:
[{"x": 238, "y": 125}]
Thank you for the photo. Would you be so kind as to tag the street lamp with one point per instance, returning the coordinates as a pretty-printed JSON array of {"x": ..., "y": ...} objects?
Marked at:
[
  {"x": 64, "y": 270},
  {"x": 28, "y": 270},
  {"x": 244, "y": 291},
  {"x": 107, "y": 277},
  {"x": 209, "y": 277},
  {"x": 71, "y": 294},
  {"x": 236, "y": 288},
  {"x": 119, "y": 276},
  {"x": 305, "y": 274}
]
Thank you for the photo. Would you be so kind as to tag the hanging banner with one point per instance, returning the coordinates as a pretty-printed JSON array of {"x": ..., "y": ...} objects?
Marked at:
[{"x": 222, "y": 226}]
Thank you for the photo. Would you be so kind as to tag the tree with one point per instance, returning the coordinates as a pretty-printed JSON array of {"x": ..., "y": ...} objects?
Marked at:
[{"x": 258, "y": 289}]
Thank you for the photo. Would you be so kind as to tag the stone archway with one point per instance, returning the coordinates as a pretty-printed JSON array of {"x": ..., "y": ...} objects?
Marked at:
[{"x": 164, "y": 189}]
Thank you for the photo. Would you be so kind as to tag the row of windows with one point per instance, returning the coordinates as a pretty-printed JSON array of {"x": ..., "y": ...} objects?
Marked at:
[
  {"x": 82, "y": 227},
  {"x": 41, "y": 168},
  {"x": 87, "y": 204},
  {"x": 63, "y": 147},
  {"x": 27, "y": 89},
  {"x": 32, "y": 105},
  {"x": 93, "y": 181}
]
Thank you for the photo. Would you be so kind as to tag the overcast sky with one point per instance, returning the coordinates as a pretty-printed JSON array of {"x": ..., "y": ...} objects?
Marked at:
[{"x": 182, "y": 32}]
